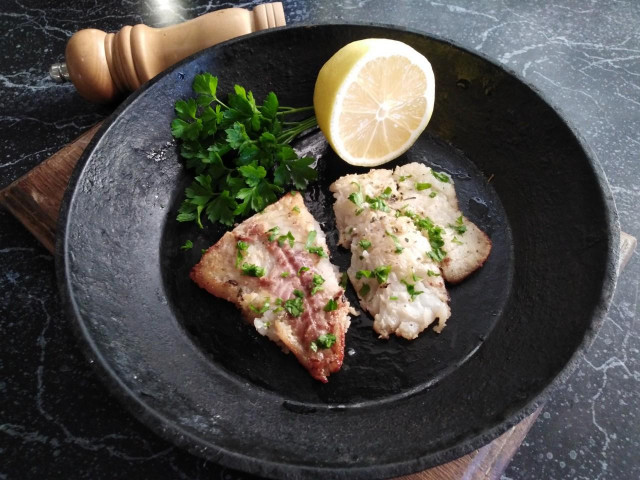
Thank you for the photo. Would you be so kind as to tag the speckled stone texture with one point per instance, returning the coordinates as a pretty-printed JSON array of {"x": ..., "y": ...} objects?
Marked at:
[{"x": 56, "y": 418}]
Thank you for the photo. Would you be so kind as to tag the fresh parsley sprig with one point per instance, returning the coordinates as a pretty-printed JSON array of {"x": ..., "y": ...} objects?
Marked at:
[{"x": 238, "y": 150}]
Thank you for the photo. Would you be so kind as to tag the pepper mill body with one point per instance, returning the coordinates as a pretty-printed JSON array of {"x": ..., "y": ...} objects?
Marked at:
[{"x": 103, "y": 66}]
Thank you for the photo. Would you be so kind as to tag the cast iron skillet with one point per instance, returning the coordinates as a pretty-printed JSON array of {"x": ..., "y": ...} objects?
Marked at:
[{"x": 188, "y": 367}]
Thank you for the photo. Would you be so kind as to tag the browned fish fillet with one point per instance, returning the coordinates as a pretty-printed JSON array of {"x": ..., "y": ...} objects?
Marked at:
[{"x": 275, "y": 268}]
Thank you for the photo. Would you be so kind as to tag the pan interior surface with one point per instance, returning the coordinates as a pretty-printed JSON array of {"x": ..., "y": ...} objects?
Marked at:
[
  {"x": 186, "y": 364},
  {"x": 374, "y": 370}
]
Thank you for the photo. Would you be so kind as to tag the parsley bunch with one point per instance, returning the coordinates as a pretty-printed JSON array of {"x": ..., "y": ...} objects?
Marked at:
[{"x": 239, "y": 152}]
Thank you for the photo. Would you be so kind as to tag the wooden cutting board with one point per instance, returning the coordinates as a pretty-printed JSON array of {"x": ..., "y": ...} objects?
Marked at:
[{"x": 35, "y": 200}]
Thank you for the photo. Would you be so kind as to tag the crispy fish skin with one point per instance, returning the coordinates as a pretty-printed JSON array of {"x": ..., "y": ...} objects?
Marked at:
[
  {"x": 290, "y": 269},
  {"x": 389, "y": 223}
]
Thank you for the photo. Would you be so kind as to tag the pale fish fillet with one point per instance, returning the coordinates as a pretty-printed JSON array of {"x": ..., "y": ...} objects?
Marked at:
[
  {"x": 289, "y": 269},
  {"x": 466, "y": 245},
  {"x": 385, "y": 203}
]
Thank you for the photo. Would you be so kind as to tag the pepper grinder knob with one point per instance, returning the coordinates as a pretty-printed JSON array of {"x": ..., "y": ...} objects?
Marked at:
[{"x": 104, "y": 65}]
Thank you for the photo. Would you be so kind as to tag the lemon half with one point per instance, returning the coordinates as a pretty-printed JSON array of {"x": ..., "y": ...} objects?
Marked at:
[{"x": 372, "y": 99}]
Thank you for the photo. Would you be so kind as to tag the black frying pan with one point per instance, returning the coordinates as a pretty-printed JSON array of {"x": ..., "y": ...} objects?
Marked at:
[{"x": 187, "y": 366}]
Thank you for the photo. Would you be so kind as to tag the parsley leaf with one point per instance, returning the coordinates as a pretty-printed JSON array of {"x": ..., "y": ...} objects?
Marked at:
[
  {"x": 377, "y": 203},
  {"x": 252, "y": 270},
  {"x": 344, "y": 278},
  {"x": 294, "y": 306},
  {"x": 459, "y": 226},
  {"x": 188, "y": 245},
  {"x": 331, "y": 305},
  {"x": 443, "y": 177},
  {"x": 364, "y": 244},
  {"x": 288, "y": 237},
  {"x": 434, "y": 232},
  {"x": 240, "y": 247},
  {"x": 273, "y": 232},
  {"x": 431, "y": 273},
  {"x": 382, "y": 273},
  {"x": 311, "y": 238},
  {"x": 302, "y": 270},
  {"x": 325, "y": 340},
  {"x": 363, "y": 273},
  {"x": 422, "y": 186},
  {"x": 399, "y": 247},
  {"x": 260, "y": 310},
  {"x": 364, "y": 290},
  {"x": 411, "y": 290},
  {"x": 317, "y": 283}
]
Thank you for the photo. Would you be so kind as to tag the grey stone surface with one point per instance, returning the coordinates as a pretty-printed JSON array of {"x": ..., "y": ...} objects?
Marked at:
[{"x": 58, "y": 421}]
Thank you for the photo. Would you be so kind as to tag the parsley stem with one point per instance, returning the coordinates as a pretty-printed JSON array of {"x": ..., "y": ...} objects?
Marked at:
[
  {"x": 220, "y": 102},
  {"x": 290, "y": 110},
  {"x": 288, "y": 135}
]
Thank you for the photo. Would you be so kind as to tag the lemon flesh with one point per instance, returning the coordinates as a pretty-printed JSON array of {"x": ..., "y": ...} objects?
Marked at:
[{"x": 373, "y": 99}]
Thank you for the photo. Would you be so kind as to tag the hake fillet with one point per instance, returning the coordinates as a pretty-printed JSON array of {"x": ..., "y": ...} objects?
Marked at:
[
  {"x": 296, "y": 300},
  {"x": 406, "y": 222}
]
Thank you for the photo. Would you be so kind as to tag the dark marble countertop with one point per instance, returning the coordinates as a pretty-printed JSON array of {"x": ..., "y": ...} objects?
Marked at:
[{"x": 58, "y": 421}]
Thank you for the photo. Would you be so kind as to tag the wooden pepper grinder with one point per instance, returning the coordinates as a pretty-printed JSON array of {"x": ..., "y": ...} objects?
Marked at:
[{"x": 104, "y": 65}]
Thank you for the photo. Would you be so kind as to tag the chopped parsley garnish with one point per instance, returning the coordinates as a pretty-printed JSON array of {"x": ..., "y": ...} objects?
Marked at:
[
  {"x": 325, "y": 340},
  {"x": 302, "y": 270},
  {"x": 422, "y": 186},
  {"x": 318, "y": 251},
  {"x": 411, "y": 290},
  {"x": 364, "y": 290},
  {"x": 285, "y": 274},
  {"x": 239, "y": 152},
  {"x": 317, "y": 283},
  {"x": 344, "y": 278},
  {"x": 404, "y": 177},
  {"x": 393, "y": 297},
  {"x": 378, "y": 203},
  {"x": 252, "y": 270},
  {"x": 382, "y": 273},
  {"x": 311, "y": 238},
  {"x": 364, "y": 244},
  {"x": 386, "y": 193},
  {"x": 240, "y": 247},
  {"x": 260, "y": 310},
  {"x": 379, "y": 273},
  {"x": 455, "y": 240},
  {"x": 432, "y": 194},
  {"x": 296, "y": 209},
  {"x": 188, "y": 245},
  {"x": 443, "y": 177},
  {"x": 284, "y": 238},
  {"x": 431, "y": 273},
  {"x": 294, "y": 306},
  {"x": 434, "y": 233},
  {"x": 356, "y": 198},
  {"x": 203, "y": 251},
  {"x": 298, "y": 293},
  {"x": 459, "y": 226},
  {"x": 331, "y": 305},
  {"x": 415, "y": 277},
  {"x": 399, "y": 247},
  {"x": 363, "y": 273},
  {"x": 273, "y": 233}
]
